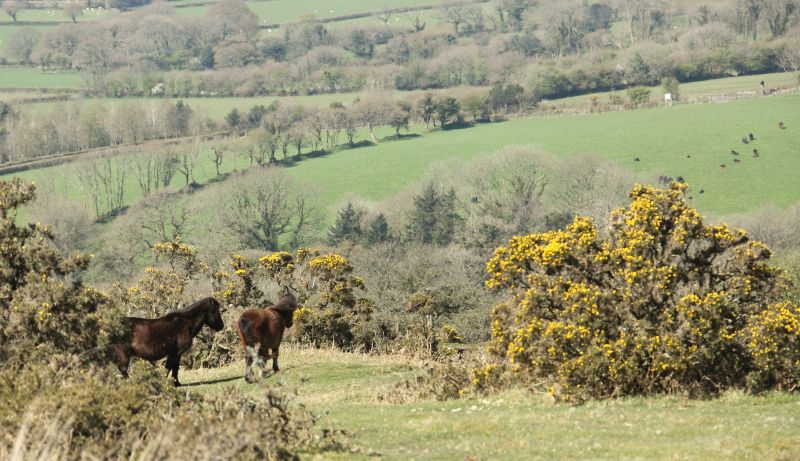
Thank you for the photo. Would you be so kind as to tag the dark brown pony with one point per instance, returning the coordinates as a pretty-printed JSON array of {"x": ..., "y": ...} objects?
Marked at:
[
  {"x": 169, "y": 336},
  {"x": 261, "y": 330}
]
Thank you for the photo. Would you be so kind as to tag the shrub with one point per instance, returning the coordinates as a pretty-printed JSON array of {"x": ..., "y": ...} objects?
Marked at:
[
  {"x": 638, "y": 94},
  {"x": 330, "y": 311},
  {"x": 43, "y": 305},
  {"x": 664, "y": 303},
  {"x": 91, "y": 413}
]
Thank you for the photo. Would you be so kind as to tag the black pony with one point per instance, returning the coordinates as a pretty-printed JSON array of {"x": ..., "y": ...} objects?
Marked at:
[{"x": 169, "y": 336}]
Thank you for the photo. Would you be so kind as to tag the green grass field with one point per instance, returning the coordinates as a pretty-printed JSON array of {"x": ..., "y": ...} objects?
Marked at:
[
  {"x": 57, "y": 15},
  {"x": 708, "y": 88},
  {"x": 285, "y": 11},
  {"x": 216, "y": 108},
  {"x": 661, "y": 138},
  {"x": 31, "y": 77},
  {"x": 516, "y": 425}
]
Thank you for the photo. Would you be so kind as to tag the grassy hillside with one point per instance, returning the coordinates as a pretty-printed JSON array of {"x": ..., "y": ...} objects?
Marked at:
[
  {"x": 518, "y": 425},
  {"x": 661, "y": 138},
  {"x": 687, "y": 140}
]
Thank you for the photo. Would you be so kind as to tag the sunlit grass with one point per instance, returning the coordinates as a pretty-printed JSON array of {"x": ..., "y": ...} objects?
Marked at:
[{"x": 517, "y": 424}]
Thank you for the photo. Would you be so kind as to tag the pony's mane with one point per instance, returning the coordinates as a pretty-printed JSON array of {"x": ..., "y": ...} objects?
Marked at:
[{"x": 190, "y": 309}]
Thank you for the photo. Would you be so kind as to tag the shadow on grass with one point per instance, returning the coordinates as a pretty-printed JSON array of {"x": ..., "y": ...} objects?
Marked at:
[
  {"x": 401, "y": 137},
  {"x": 213, "y": 381},
  {"x": 459, "y": 125}
]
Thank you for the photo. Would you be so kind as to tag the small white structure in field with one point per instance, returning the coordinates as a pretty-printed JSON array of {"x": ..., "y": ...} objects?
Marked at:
[{"x": 668, "y": 99}]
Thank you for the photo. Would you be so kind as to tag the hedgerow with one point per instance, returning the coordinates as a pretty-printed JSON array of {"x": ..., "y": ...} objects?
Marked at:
[{"x": 664, "y": 303}]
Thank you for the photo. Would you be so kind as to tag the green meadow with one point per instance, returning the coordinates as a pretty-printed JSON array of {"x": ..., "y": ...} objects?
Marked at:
[
  {"x": 661, "y": 138},
  {"x": 57, "y": 15},
  {"x": 345, "y": 389},
  {"x": 692, "y": 141},
  {"x": 33, "y": 77},
  {"x": 285, "y": 11}
]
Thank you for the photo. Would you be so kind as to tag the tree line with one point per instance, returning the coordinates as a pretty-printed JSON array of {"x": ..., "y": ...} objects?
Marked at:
[{"x": 154, "y": 51}]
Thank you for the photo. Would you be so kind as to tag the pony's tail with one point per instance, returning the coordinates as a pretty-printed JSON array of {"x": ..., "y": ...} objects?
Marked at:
[{"x": 245, "y": 327}]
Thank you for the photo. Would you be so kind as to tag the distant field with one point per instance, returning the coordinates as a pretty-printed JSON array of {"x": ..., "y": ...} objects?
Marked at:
[
  {"x": 217, "y": 108},
  {"x": 283, "y": 11},
  {"x": 57, "y": 15},
  {"x": 515, "y": 425},
  {"x": 662, "y": 138},
  {"x": 31, "y": 77},
  {"x": 715, "y": 87}
]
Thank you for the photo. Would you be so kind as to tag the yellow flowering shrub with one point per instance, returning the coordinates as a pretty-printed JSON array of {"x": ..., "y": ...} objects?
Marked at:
[
  {"x": 44, "y": 308},
  {"x": 332, "y": 313},
  {"x": 161, "y": 289},
  {"x": 664, "y": 303},
  {"x": 237, "y": 284}
]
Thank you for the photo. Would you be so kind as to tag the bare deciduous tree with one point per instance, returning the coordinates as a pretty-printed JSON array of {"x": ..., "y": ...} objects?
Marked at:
[
  {"x": 102, "y": 183},
  {"x": 219, "y": 153},
  {"x": 415, "y": 16},
  {"x": 12, "y": 8},
  {"x": 269, "y": 210},
  {"x": 162, "y": 218}
]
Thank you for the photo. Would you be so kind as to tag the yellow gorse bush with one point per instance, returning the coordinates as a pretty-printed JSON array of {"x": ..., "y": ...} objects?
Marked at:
[{"x": 664, "y": 303}]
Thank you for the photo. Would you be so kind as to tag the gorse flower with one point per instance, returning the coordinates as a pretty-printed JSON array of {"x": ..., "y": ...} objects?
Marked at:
[{"x": 664, "y": 302}]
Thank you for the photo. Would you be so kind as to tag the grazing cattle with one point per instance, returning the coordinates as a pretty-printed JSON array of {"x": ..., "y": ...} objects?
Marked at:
[
  {"x": 752, "y": 138},
  {"x": 261, "y": 331},
  {"x": 702, "y": 191},
  {"x": 781, "y": 126},
  {"x": 680, "y": 179},
  {"x": 745, "y": 141},
  {"x": 474, "y": 199},
  {"x": 169, "y": 336},
  {"x": 734, "y": 152},
  {"x": 636, "y": 159},
  {"x": 755, "y": 153},
  {"x": 688, "y": 156},
  {"x": 736, "y": 160},
  {"x": 721, "y": 166}
]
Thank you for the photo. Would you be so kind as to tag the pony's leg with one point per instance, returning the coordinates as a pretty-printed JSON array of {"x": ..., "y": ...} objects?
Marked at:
[
  {"x": 275, "y": 368},
  {"x": 248, "y": 360},
  {"x": 263, "y": 354},
  {"x": 123, "y": 360},
  {"x": 173, "y": 362}
]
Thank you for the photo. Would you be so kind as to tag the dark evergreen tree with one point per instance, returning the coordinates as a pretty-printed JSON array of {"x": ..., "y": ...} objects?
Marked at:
[
  {"x": 178, "y": 119},
  {"x": 255, "y": 115},
  {"x": 378, "y": 230},
  {"x": 233, "y": 119},
  {"x": 434, "y": 217},
  {"x": 347, "y": 226}
]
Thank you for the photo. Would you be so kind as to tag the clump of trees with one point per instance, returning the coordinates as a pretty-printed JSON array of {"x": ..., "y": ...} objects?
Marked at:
[{"x": 664, "y": 303}]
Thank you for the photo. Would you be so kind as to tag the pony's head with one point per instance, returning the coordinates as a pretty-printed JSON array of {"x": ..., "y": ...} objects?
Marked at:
[
  {"x": 213, "y": 315},
  {"x": 287, "y": 300}
]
